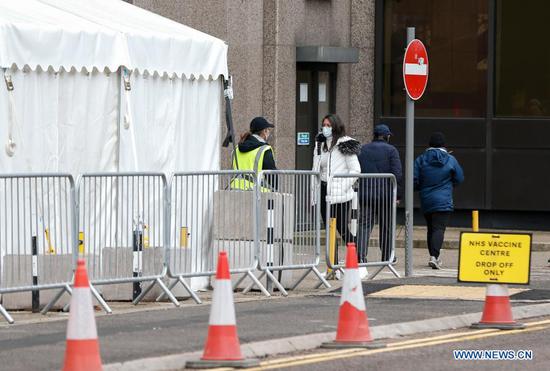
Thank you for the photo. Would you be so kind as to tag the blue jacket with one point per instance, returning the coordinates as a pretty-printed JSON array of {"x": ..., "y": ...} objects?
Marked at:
[
  {"x": 380, "y": 157},
  {"x": 436, "y": 172}
]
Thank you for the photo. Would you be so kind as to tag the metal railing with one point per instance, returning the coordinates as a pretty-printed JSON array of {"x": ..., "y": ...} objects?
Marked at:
[
  {"x": 122, "y": 225},
  {"x": 288, "y": 227},
  {"x": 212, "y": 212},
  {"x": 360, "y": 208},
  {"x": 37, "y": 235},
  {"x": 135, "y": 228}
]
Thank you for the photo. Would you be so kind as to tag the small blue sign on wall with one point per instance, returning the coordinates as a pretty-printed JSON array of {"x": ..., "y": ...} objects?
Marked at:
[{"x": 302, "y": 138}]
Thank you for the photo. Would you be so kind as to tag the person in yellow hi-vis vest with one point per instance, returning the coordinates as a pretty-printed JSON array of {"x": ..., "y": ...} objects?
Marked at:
[{"x": 253, "y": 153}]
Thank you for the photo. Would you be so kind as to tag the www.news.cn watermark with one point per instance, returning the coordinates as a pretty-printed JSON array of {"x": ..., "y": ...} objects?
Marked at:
[{"x": 493, "y": 355}]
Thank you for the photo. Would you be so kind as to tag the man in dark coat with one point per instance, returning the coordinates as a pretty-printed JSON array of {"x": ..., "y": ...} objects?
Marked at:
[
  {"x": 376, "y": 195},
  {"x": 436, "y": 173}
]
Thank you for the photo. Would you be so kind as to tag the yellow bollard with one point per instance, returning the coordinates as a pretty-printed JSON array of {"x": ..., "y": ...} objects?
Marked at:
[
  {"x": 51, "y": 249},
  {"x": 332, "y": 241},
  {"x": 475, "y": 220},
  {"x": 81, "y": 243},
  {"x": 183, "y": 237}
]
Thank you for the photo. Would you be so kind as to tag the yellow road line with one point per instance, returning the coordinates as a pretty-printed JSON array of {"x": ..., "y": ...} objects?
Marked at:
[
  {"x": 354, "y": 350},
  {"x": 396, "y": 344},
  {"x": 406, "y": 344}
]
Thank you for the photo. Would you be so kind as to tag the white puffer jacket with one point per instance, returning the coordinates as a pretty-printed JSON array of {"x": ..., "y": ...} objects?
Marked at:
[{"x": 342, "y": 160}]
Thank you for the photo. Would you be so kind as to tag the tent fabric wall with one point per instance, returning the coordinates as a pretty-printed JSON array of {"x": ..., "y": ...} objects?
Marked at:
[
  {"x": 174, "y": 123},
  {"x": 66, "y": 122}
]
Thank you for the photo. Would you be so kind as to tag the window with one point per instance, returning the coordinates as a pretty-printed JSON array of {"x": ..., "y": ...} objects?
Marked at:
[
  {"x": 455, "y": 34},
  {"x": 522, "y": 59}
]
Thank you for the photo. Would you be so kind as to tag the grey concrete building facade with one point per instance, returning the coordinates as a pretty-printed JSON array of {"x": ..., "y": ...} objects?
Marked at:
[
  {"x": 263, "y": 38},
  {"x": 348, "y": 54}
]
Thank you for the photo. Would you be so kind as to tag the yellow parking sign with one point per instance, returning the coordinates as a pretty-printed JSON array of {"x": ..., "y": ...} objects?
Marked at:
[{"x": 494, "y": 258}]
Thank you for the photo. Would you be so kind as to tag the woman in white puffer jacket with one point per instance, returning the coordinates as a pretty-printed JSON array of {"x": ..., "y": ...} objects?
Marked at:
[{"x": 336, "y": 153}]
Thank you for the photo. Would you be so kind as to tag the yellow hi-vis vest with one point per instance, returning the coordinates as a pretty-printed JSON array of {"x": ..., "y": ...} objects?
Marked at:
[{"x": 252, "y": 160}]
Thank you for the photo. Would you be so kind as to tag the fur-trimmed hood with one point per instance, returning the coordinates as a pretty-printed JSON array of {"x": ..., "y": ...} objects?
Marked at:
[{"x": 348, "y": 146}]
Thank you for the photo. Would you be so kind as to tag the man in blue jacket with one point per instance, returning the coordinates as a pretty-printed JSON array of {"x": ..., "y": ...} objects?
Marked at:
[
  {"x": 436, "y": 173},
  {"x": 375, "y": 195}
]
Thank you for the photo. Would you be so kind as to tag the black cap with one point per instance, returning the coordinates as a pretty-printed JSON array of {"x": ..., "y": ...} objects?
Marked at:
[
  {"x": 258, "y": 124},
  {"x": 437, "y": 140},
  {"x": 382, "y": 130}
]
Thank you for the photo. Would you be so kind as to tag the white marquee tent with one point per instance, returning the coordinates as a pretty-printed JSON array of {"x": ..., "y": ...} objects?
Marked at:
[
  {"x": 69, "y": 110},
  {"x": 70, "y": 63}
]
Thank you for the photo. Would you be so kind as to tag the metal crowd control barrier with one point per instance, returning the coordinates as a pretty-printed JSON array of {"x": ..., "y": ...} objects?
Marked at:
[
  {"x": 122, "y": 228},
  {"x": 288, "y": 223},
  {"x": 360, "y": 208},
  {"x": 212, "y": 212},
  {"x": 37, "y": 235}
]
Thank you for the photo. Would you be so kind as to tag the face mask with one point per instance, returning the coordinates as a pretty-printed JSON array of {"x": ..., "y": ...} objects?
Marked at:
[{"x": 327, "y": 131}]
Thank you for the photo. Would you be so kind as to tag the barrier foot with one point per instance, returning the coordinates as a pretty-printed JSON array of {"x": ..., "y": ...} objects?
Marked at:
[
  {"x": 168, "y": 292},
  {"x": 293, "y": 287},
  {"x": 100, "y": 300},
  {"x": 378, "y": 270},
  {"x": 6, "y": 315},
  {"x": 191, "y": 292},
  {"x": 330, "y": 276},
  {"x": 321, "y": 278},
  {"x": 249, "y": 287},
  {"x": 392, "y": 269},
  {"x": 240, "y": 280},
  {"x": 257, "y": 282},
  {"x": 56, "y": 298},
  {"x": 276, "y": 282},
  {"x": 143, "y": 293},
  {"x": 170, "y": 288}
]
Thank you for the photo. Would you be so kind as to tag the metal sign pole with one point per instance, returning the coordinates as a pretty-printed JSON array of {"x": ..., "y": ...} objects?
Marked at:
[{"x": 409, "y": 175}]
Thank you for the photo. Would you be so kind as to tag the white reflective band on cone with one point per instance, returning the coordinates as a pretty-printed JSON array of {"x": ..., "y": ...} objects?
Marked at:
[
  {"x": 352, "y": 291},
  {"x": 81, "y": 317},
  {"x": 223, "y": 309},
  {"x": 497, "y": 290}
]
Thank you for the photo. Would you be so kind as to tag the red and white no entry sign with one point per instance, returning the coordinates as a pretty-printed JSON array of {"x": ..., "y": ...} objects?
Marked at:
[{"x": 415, "y": 69}]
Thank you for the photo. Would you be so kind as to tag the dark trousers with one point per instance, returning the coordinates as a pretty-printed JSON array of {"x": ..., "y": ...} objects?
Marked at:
[
  {"x": 339, "y": 211},
  {"x": 375, "y": 210},
  {"x": 436, "y": 223}
]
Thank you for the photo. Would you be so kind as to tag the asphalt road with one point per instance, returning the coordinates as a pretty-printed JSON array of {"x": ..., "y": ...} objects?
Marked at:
[
  {"x": 125, "y": 337},
  {"x": 433, "y": 352}
]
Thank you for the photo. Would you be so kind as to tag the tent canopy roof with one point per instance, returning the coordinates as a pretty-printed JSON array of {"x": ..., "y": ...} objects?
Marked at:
[{"x": 104, "y": 34}]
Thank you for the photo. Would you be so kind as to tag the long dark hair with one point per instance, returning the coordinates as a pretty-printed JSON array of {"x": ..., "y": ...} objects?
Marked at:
[
  {"x": 247, "y": 135},
  {"x": 338, "y": 129}
]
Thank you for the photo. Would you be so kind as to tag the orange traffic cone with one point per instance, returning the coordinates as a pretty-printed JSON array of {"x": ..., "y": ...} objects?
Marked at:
[
  {"x": 353, "y": 324},
  {"x": 497, "y": 311},
  {"x": 222, "y": 348},
  {"x": 82, "y": 351}
]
